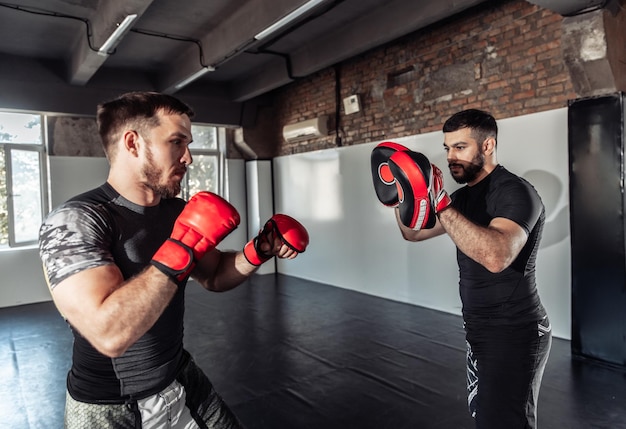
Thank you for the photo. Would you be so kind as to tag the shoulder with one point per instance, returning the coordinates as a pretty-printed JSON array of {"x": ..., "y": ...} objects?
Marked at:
[
  {"x": 82, "y": 217},
  {"x": 75, "y": 236},
  {"x": 510, "y": 184},
  {"x": 514, "y": 198},
  {"x": 87, "y": 207}
]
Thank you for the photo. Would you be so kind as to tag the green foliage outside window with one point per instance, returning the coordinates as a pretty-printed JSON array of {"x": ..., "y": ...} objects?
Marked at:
[
  {"x": 20, "y": 148},
  {"x": 4, "y": 213}
]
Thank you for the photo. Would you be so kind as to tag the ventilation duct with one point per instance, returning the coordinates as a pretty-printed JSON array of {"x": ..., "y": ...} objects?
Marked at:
[{"x": 569, "y": 7}]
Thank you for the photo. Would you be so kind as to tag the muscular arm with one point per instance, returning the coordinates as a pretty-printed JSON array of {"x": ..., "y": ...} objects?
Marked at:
[
  {"x": 110, "y": 313},
  {"x": 222, "y": 271},
  {"x": 495, "y": 247}
]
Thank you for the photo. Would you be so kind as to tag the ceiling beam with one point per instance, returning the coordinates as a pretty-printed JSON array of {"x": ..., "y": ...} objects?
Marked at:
[
  {"x": 228, "y": 39},
  {"x": 86, "y": 60},
  {"x": 349, "y": 40}
]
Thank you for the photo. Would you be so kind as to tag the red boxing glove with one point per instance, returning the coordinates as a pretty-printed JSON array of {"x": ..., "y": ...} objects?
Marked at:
[
  {"x": 291, "y": 233},
  {"x": 384, "y": 182},
  {"x": 204, "y": 222}
]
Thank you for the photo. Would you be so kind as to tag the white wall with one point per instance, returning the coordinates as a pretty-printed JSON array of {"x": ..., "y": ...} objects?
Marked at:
[
  {"x": 356, "y": 244},
  {"x": 22, "y": 276},
  {"x": 72, "y": 175}
]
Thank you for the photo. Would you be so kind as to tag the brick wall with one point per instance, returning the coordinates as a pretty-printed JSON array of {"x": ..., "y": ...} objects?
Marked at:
[{"x": 506, "y": 59}]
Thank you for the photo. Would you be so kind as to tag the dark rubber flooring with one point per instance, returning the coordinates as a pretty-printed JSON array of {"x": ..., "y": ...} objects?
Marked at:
[{"x": 291, "y": 353}]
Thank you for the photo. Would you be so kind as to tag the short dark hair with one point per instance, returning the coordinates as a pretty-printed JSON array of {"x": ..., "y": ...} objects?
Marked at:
[
  {"x": 481, "y": 124},
  {"x": 139, "y": 109}
]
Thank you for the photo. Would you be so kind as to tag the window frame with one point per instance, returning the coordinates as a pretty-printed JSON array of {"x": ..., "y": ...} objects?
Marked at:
[{"x": 7, "y": 148}]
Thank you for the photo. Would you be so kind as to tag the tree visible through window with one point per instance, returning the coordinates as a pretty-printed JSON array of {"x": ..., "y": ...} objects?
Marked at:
[
  {"x": 4, "y": 214},
  {"x": 205, "y": 171},
  {"x": 22, "y": 199}
]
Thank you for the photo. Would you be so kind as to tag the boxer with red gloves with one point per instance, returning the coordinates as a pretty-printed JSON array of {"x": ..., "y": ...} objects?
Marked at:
[{"x": 118, "y": 258}]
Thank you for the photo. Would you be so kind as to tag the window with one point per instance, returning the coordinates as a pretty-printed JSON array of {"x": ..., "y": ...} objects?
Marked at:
[
  {"x": 206, "y": 171},
  {"x": 22, "y": 178}
]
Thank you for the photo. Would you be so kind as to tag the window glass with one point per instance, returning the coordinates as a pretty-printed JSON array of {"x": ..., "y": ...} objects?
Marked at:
[
  {"x": 4, "y": 211},
  {"x": 20, "y": 128},
  {"x": 204, "y": 137},
  {"x": 26, "y": 181},
  {"x": 22, "y": 178},
  {"x": 202, "y": 174}
]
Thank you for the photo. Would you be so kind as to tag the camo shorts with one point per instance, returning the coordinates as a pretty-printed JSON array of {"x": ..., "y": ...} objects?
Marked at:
[{"x": 189, "y": 402}]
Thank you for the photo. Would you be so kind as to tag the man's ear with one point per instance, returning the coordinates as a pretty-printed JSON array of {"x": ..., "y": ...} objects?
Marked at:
[
  {"x": 489, "y": 145},
  {"x": 131, "y": 142}
]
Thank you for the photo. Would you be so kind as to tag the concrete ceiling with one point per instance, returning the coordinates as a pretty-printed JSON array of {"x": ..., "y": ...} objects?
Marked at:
[{"x": 172, "y": 39}]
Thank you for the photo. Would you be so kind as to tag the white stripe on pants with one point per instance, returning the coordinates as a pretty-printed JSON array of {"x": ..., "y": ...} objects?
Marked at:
[{"x": 166, "y": 409}]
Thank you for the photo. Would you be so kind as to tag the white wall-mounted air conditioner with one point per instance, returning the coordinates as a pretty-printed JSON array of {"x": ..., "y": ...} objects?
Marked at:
[{"x": 316, "y": 127}]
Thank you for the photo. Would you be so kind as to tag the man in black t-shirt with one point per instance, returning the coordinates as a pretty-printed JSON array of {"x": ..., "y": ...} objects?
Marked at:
[
  {"x": 496, "y": 223},
  {"x": 117, "y": 260}
]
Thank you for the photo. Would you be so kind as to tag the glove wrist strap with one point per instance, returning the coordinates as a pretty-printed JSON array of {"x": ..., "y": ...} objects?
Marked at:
[
  {"x": 252, "y": 255},
  {"x": 174, "y": 259}
]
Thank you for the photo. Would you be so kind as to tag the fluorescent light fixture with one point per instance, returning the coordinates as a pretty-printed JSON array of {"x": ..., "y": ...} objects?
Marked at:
[
  {"x": 117, "y": 35},
  {"x": 196, "y": 75},
  {"x": 287, "y": 19}
]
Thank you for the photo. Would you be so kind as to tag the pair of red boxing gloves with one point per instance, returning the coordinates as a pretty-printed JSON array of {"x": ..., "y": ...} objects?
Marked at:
[
  {"x": 407, "y": 180},
  {"x": 205, "y": 221}
]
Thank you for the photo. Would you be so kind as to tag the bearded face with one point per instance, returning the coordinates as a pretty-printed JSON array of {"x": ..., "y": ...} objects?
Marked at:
[
  {"x": 463, "y": 172},
  {"x": 157, "y": 180}
]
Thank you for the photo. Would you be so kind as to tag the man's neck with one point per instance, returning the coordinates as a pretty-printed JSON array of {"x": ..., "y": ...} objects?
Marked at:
[
  {"x": 486, "y": 171},
  {"x": 134, "y": 191}
]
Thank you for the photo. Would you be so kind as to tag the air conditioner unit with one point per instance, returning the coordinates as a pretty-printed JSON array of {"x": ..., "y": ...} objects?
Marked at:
[{"x": 308, "y": 129}]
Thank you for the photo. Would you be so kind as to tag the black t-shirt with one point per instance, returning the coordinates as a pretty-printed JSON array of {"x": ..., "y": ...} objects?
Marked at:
[
  {"x": 508, "y": 297},
  {"x": 98, "y": 228}
]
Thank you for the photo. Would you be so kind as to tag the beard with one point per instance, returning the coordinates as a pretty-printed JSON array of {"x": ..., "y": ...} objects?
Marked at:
[
  {"x": 153, "y": 175},
  {"x": 470, "y": 171}
]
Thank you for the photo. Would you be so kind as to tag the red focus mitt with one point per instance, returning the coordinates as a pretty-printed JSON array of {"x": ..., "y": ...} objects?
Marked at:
[
  {"x": 291, "y": 233},
  {"x": 420, "y": 189},
  {"x": 384, "y": 182}
]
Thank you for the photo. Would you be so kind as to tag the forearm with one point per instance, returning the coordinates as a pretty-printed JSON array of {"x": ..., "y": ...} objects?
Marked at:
[
  {"x": 230, "y": 269},
  {"x": 282, "y": 237},
  {"x": 113, "y": 314},
  {"x": 493, "y": 247},
  {"x": 136, "y": 306},
  {"x": 420, "y": 235}
]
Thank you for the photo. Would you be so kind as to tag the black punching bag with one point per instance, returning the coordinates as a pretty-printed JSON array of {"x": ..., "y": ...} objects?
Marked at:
[{"x": 596, "y": 169}]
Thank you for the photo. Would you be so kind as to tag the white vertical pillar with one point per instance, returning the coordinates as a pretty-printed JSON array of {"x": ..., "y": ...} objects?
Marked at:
[
  {"x": 260, "y": 201},
  {"x": 235, "y": 193}
]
